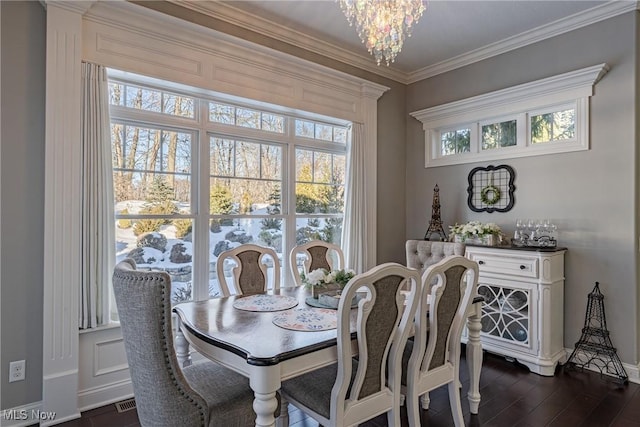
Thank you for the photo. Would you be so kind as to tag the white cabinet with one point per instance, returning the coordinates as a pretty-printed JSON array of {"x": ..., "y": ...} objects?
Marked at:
[{"x": 522, "y": 316}]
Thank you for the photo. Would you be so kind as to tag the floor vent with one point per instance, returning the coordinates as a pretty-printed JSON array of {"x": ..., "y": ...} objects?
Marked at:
[{"x": 126, "y": 405}]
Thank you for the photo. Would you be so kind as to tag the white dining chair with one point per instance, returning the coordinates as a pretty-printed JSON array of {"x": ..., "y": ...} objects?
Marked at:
[
  {"x": 250, "y": 269},
  {"x": 432, "y": 359},
  {"x": 315, "y": 254},
  {"x": 352, "y": 390}
]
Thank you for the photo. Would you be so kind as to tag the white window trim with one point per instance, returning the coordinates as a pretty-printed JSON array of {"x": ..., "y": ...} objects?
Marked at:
[{"x": 572, "y": 87}]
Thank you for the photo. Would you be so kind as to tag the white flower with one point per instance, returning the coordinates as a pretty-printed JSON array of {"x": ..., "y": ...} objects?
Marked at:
[
  {"x": 330, "y": 278},
  {"x": 475, "y": 229},
  {"x": 316, "y": 277},
  {"x": 321, "y": 277}
]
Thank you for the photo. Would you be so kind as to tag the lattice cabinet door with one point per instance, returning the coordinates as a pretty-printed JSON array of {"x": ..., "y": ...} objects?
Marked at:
[
  {"x": 523, "y": 311},
  {"x": 509, "y": 313}
]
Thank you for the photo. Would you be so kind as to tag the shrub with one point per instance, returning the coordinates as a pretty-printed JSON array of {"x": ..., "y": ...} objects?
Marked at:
[
  {"x": 183, "y": 227},
  {"x": 147, "y": 226},
  {"x": 124, "y": 223}
]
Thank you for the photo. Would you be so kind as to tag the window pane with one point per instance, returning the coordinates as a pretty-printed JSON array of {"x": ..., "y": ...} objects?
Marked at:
[
  {"x": 222, "y": 156},
  {"x": 457, "y": 141},
  {"x": 324, "y": 132},
  {"x": 326, "y": 229},
  {"x": 319, "y": 198},
  {"x": 175, "y": 152},
  {"x": 242, "y": 196},
  {"x": 157, "y": 244},
  {"x": 116, "y": 93},
  {"x": 272, "y": 123},
  {"x": 177, "y": 105},
  {"x": 340, "y": 135},
  {"x": 339, "y": 168},
  {"x": 499, "y": 135},
  {"x": 556, "y": 126},
  {"x": 247, "y": 159},
  {"x": 304, "y": 128},
  {"x": 143, "y": 99},
  {"x": 271, "y": 161},
  {"x": 140, "y": 147},
  {"x": 304, "y": 165},
  {"x": 322, "y": 167},
  {"x": 248, "y": 118},
  {"x": 220, "y": 113}
]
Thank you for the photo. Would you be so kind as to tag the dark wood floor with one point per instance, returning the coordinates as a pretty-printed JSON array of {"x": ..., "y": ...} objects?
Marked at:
[{"x": 511, "y": 396}]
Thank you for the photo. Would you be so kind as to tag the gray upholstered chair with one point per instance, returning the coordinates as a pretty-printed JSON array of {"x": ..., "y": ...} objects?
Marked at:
[
  {"x": 250, "y": 272},
  {"x": 203, "y": 394},
  {"x": 315, "y": 254},
  {"x": 423, "y": 253},
  {"x": 352, "y": 391},
  {"x": 432, "y": 359}
]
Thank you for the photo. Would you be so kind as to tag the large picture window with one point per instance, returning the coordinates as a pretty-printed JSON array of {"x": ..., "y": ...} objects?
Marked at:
[{"x": 243, "y": 173}]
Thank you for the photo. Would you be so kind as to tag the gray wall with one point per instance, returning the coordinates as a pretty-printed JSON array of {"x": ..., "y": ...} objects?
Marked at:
[
  {"x": 22, "y": 227},
  {"x": 391, "y": 183},
  {"x": 590, "y": 195}
]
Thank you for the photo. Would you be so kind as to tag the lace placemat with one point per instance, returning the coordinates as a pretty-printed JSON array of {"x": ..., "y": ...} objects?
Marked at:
[
  {"x": 307, "y": 319},
  {"x": 263, "y": 302}
]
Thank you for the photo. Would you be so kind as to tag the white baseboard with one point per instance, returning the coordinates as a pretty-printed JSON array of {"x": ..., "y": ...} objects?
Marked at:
[
  {"x": 20, "y": 416},
  {"x": 56, "y": 397},
  {"x": 104, "y": 395}
]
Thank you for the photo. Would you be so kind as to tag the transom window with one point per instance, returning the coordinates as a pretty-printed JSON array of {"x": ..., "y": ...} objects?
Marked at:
[
  {"x": 542, "y": 117},
  {"x": 194, "y": 176}
]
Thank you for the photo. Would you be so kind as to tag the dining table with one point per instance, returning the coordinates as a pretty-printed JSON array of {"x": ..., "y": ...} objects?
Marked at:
[{"x": 260, "y": 342}]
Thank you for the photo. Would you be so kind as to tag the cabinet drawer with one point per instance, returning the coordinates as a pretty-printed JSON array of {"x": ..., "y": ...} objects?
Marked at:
[{"x": 507, "y": 265}]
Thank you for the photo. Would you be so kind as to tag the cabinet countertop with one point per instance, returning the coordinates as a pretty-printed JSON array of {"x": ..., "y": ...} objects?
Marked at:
[{"x": 521, "y": 248}]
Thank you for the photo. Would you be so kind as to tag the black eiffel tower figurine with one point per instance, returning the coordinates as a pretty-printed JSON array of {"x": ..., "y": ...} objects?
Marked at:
[
  {"x": 595, "y": 349},
  {"x": 435, "y": 225}
]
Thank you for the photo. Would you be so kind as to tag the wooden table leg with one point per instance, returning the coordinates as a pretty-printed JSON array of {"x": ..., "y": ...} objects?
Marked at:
[
  {"x": 265, "y": 381},
  {"x": 474, "y": 356}
]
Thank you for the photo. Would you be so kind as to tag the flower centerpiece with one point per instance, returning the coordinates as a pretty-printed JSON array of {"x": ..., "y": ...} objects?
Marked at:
[
  {"x": 321, "y": 278},
  {"x": 476, "y": 232}
]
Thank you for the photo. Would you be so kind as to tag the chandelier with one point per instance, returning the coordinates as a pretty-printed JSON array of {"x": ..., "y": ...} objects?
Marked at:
[{"x": 383, "y": 24}]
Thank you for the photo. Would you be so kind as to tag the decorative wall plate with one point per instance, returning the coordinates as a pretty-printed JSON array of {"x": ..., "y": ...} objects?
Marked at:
[{"x": 491, "y": 189}]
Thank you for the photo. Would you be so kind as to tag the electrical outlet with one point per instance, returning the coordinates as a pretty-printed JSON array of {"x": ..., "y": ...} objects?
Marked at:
[{"x": 17, "y": 370}]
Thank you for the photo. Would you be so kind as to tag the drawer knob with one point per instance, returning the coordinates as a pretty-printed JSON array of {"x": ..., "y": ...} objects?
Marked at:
[
  {"x": 522, "y": 267},
  {"x": 480, "y": 262}
]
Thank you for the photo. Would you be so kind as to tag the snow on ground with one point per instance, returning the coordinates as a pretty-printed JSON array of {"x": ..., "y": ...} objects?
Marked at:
[{"x": 126, "y": 241}]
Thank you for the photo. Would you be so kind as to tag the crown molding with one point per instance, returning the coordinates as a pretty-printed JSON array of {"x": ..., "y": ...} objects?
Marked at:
[
  {"x": 577, "y": 83},
  {"x": 257, "y": 24},
  {"x": 553, "y": 29},
  {"x": 235, "y": 16},
  {"x": 80, "y": 7}
]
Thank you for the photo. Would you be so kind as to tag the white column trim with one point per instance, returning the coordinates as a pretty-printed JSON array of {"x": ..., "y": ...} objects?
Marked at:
[
  {"x": 62, "y": 211},
  {"x": 370, "y": 115}
]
